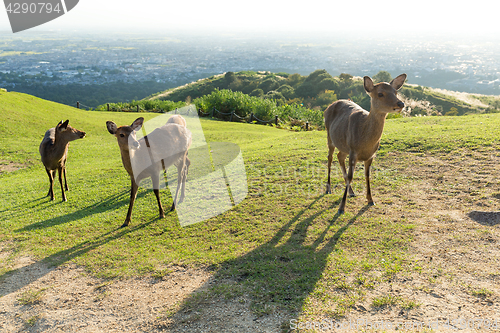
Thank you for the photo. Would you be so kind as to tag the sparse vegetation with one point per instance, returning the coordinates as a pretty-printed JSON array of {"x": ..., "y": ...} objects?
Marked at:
[
  {"x": 30, "y": 297},
  {"x": 385, "y": 300}
]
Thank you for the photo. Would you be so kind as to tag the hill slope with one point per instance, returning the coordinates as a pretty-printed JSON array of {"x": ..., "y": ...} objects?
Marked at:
[
  {"x": 309, "y": 90},
  {"x": 281, "y": 254}
]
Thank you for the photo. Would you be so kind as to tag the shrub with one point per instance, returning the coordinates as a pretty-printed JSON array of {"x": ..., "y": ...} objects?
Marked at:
[{"x": 242, "y": 104}]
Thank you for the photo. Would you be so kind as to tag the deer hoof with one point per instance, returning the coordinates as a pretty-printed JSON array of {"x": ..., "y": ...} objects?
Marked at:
[
  {"x": 371, "y": 203},
  {"x": 125, "y": 224},
  {"x": 340, "y": 212},
  {"x": 172, "y": 208}
]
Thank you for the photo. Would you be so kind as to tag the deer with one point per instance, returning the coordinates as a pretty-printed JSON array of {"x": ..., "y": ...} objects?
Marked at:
[
  {"x": 177, "y": 119},
  {"x": 356, "y": 132},
  {"x": 141, "y": 158},
  {"x": 54, "y": 153}
]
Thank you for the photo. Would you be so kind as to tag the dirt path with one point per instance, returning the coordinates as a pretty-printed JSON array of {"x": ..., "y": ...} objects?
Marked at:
[
  {"x": 455, "y": 208},
  {"x": 453, "y": 201}
]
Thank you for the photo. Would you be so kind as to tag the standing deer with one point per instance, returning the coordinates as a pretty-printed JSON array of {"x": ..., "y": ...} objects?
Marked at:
[
  {"x": 166, "y": 145},
  {"x": 54, "y": 152},
  {"x": 356, "y": 132}
]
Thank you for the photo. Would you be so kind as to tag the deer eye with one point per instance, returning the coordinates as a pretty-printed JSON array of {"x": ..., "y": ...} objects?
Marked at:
[
  {"x": 380, "y": 95},
  {"x": 122, "y": 135}
]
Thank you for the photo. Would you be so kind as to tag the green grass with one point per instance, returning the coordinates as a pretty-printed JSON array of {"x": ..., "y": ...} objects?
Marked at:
[
  {"x": 283, "y": 247},
  {"x": 386, "y": 300}
]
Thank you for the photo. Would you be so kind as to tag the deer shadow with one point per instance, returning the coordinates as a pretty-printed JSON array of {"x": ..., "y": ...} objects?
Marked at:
[
  {"x": 280, "y": 272},
  {"x": 112, "y": 202},
  {"x": 18, "y": 278},
  {"x": 485, "y": 218}
]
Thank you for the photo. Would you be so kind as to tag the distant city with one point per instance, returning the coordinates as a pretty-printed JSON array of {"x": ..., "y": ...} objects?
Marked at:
[{"x": 53, "y": 59}]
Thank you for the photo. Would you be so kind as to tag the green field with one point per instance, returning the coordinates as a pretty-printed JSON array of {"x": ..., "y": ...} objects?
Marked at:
[{"x": 283, "y": 248}]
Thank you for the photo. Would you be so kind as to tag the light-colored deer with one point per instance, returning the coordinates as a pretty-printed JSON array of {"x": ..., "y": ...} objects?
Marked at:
[
  {"x": 177, "y": 119},
  {"x": 54, "y": 152},
  {"x": 356, "y": 132},
  {"x": 170, "y": 147}
]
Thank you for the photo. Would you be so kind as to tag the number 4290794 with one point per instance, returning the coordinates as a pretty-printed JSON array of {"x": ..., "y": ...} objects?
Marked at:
[{"x": 40, "y": 7}]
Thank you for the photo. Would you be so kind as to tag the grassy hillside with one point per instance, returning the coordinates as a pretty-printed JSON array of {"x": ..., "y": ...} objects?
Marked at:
[
  {"x": 282, "y": 249},
  {"x": 310, "y": 91}
]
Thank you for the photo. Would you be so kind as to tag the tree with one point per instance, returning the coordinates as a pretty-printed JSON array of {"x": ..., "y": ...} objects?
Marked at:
[
  {"x": 229, "y": 77},
  {"x": 275, "y": 95},
  {"x": 257, "y": 92},
  {"x": 345, "y": 80},
  {"x": 295, "y": 80},
  {"x": 286, "y": 91},
  {"x": 269, "y": 84},
  {"x": 328, "y": 84},
  {"x": 326, "y": 98},
  {"x": 317, "y": 82},
  {"x": 453, "y": 112},
  {"x": 382, "y": 76}
]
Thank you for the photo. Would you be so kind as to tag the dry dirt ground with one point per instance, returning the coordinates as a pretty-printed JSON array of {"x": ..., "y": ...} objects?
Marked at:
[{"x": 452, "y": 199}]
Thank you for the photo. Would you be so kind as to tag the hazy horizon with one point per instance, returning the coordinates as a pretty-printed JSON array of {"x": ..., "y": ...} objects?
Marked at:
[{"x": 372, "y": 19}]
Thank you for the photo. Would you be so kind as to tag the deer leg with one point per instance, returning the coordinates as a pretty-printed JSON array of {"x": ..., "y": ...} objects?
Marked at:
[
  {"x": 185, "y": 171},
  {"x": 51, "y": 184},
  {"x": 341, "y": 157},
  {"x": 65, "y": 180},
  {"x": 60, "y": 174},
  {"x": 330, "y": 159},
  {"x": 180, "y": 167},
  {"x": 367, "y": 176},
  {"x": 133, "y": 194},
  {"x": 156, "y": 189},
  {"x": 352, "y": 165}
]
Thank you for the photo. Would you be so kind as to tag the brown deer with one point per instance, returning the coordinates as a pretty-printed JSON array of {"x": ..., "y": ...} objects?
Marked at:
[
  {"x": 166, "y": 145},
  {"x": 356, "y": 132},
  {"x": 54, "y": 152}
]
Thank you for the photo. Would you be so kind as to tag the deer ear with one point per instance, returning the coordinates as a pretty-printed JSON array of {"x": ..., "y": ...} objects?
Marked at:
[
  {"x": 111, "y": 127},
  {"x": 63, "y": 126},
  {"x": 136, "y": 125},
  {"x": 398, "y": 82},
  {"x": 368, "y": 83}
]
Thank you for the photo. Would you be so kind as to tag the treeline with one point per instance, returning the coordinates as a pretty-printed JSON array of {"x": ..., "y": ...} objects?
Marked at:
[
  {"x": 315, "y": 91},
  {"x": 226, "y": 101},
  {"x": 294, "y": 98},
  {"x": 318, "y": 90}
]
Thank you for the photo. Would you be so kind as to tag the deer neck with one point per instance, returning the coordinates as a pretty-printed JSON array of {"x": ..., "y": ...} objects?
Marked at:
[
  {"x": 126, "y": 160},
  {"x": 374, "y": 125},
  {"x": 60, "y": 146}
]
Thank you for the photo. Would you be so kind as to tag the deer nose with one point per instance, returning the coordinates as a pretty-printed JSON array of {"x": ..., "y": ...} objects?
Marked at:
[{"x": 401, "y": 104}]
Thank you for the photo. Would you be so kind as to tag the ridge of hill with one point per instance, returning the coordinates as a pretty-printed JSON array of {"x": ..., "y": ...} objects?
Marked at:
[{"x": 319, "y": 89}]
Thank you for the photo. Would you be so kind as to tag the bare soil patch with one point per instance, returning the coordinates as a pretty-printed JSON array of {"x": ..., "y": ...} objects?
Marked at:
[
  {"x": 453, "y": 200},
  {"x": 455, "y": 207},
  {"x": 6, "y": 166}
]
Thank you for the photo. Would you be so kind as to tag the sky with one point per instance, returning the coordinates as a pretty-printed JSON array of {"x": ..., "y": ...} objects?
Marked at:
[{"x": 377, "y": 18}]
